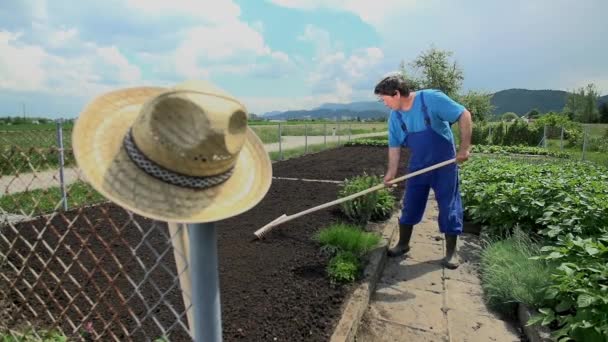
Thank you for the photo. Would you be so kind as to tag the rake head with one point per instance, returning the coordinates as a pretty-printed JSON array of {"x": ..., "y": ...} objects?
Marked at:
[{"x": 264, "y": 230}]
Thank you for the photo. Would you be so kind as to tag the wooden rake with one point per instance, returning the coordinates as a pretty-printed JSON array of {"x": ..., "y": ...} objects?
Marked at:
[{"x": 284, "y": 218}]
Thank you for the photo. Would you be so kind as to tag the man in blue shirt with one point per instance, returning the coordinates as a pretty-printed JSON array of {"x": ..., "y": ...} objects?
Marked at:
[{"x": 420, "y": 121}]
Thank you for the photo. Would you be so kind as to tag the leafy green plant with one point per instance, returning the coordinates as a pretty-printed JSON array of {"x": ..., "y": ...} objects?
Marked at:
[
  {"x": 518, "y": 149},
  {"x": 384, "y": 207},
  {"x": 373, "y": 141},
  {"x": 343, "y": 267},
  {"x": 546, "y": 198},
  {"x": 509, "y": 276},
  {"x": 579, "y": 289},
  {"x": 566, "y": 205},
  {"x": 374, "y": 205},
  {"x": 34, "y": 336}
]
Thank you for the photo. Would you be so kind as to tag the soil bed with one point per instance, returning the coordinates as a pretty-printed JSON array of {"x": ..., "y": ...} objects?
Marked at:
[{"x": 271, "y": 290}]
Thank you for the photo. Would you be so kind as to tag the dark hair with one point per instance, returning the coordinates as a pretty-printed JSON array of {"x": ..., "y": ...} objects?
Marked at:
[{"x": 391, "y": 84}]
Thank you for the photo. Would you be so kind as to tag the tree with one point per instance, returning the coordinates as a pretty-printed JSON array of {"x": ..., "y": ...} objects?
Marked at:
[
  {"x": 478, "y": 103},
  {"x": 436, "y": 72},
  {"x": 583, "y": 104},
  {"x": 508, "y": 116},
  {"x": 604, "y": 112},
  {"x": 533, "y": 114}
]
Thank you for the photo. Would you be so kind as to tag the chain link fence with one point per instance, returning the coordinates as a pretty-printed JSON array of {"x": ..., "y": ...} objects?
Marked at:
[{"x": 75, "y": 266}]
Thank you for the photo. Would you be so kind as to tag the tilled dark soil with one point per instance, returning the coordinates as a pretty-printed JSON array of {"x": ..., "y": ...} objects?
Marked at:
[{"x": 271, "y": 290}]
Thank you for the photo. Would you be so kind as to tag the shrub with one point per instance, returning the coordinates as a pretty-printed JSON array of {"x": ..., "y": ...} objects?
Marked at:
[
  {"x": 348, "y": 238},
  {"x": 509, "y": 276},
  {"x": 374, "y": 205}
]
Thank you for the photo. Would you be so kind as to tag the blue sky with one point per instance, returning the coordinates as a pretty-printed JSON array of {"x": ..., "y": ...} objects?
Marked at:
[{"x": 55, "y": 56}]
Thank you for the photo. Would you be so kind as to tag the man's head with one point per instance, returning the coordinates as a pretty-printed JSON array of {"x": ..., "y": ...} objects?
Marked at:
[{"x": 391, "y": 89}]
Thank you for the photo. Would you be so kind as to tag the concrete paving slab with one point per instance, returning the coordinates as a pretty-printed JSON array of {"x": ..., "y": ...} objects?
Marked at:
[
  {"x": 414, "y": 308},
  {"x": 376, "y": 330},
  {"x": 415, "y": 275},
  {"x": 465, "y": 327}
]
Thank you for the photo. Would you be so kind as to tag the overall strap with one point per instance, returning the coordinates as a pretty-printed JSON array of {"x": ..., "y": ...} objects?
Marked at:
[{"x": 427, "y": 119}]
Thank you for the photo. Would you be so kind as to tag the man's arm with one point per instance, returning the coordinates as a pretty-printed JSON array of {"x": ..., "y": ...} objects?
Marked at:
[
  {"x": 465, "y": 124},
  {"x": 393, "y": 162}
]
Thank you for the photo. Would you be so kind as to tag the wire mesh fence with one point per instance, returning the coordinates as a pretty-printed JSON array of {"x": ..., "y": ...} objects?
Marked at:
[{"x": 74, "y": 265}]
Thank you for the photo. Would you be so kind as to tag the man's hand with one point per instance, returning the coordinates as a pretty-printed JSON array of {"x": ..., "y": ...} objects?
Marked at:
[
  {"x": 462, "y": 155},
  {"x": 387, "y": 178}
]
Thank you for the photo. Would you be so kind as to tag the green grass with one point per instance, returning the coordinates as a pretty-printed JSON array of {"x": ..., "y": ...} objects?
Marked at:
[
  {"x": 34, "y": 336},
  {"x": 597, "y": 130},
  {"x": 296, "y": 152},
  {"x": 42, "y": 201},
  {"x": 576, "y": 152},
  {"x": 509, "y": 276},
  {"x": 348, "y": 238}
]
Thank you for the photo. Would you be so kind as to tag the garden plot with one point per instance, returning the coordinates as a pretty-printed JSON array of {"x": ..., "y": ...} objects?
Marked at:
[{"x": 274, "y": 289}]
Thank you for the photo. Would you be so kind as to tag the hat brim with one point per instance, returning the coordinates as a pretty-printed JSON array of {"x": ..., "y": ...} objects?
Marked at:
[{"x": 97, "y": 143}]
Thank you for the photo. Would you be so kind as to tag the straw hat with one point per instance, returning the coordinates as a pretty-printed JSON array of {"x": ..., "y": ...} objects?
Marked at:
[{"x": 183, "y": 154}]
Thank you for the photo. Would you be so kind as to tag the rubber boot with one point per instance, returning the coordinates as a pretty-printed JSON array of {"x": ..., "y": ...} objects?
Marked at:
[
  {"x": 403, "y": 246},
  {"x": 450, "y": 249}
]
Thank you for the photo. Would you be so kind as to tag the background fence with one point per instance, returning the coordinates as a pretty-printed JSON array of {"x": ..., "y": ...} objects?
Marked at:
[{"x": 74, "y": 265}]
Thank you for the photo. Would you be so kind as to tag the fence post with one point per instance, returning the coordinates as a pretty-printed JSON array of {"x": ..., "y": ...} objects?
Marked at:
[
  {"x": 561, "y": 140},
  {"x": 545, "y": 136},
  {"x": 205, "y": 282},
  {"x": 338, "y": 123},
  {"x": 350, "y": 130},
  {"x": 64, "y": 198},
  {"x": 305, "y": 138},
  {"x": 280, "y": 145},
  {"x": 490, "y": 142},
  {"x": 325, "y": 134},
  {"x": 584, "y": 142}
]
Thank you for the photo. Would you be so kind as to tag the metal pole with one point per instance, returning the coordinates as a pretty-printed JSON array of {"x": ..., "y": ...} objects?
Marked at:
[
  {"x": 325, "y": 134},
  {"x": 280, "y": 146},
  {"x": 349, "y": 130},
  {"x": 64, "y": 197},
  {"x": 305, "y": 138},
  {"x": 584, "y": 142},
  {"x": 338, "y": 131},
  {"x": 205, "y": 282},
  {"x": 545, "y": 137},
  {"x": 561, "y": 140}
]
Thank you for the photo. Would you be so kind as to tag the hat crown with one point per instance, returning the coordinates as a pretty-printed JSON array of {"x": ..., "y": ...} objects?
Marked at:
[{"x": 194, "y": 129}]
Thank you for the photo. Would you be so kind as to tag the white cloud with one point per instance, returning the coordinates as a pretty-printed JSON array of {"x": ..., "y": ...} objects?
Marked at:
[
  {"x": 373, "y": 13},
  {"x": 222, "y": 47},
  {"x": 62, "y": 37},
  {"x": 21, "y": 67},
  {"x": 318, "y": 37},
  {"x": 211, "y": 11},
  {"x": 28, "y": 67}
]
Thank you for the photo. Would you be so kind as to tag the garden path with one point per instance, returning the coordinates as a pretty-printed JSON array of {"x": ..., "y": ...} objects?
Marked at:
[{"x": 417, "y": 299}]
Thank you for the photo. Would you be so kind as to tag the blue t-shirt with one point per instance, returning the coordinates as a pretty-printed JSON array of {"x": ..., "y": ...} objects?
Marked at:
[{"x": 442, "y": 110}]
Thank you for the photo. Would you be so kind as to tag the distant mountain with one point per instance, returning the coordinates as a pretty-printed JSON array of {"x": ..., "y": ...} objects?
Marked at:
[
  {"x": 331, "y": 114},
  {"x": 355, "y": 106},
  {"x": 519, "y": 101}
]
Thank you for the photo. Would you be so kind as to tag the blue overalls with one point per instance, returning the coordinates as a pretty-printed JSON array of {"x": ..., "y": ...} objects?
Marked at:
[{"x": 427, "y": 148}]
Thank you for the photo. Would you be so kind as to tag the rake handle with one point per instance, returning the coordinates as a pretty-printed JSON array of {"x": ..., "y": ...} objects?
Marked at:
[{"x": 361, "y": 193}]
